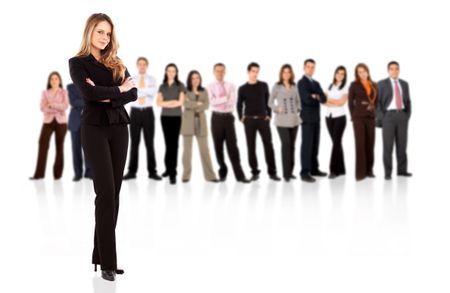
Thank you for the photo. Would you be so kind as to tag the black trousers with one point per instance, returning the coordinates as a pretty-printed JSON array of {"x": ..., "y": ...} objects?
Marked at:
[
  {"x": 309, "y": 151},
  {"x": 261, "y": 126},
  {"x": 77, "y": 156},
  {"x": 288, "y": 136},
  {"x": 395, "y": 131},
  {"x": 336, "y": 127},
  {"x": 142, "y": 119},
  {"x": 106, "y": 150},
  {"x": 364, "y": 128},
  {"x": 44, "y": 143},
  {"x": 223, "y": 132},
  {"x": 171, "y": 126}
]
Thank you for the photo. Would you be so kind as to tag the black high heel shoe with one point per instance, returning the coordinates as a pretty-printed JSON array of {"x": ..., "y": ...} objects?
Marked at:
[
  {"x": 109, "y": 275},
  {"x": 118, "y": 271}
]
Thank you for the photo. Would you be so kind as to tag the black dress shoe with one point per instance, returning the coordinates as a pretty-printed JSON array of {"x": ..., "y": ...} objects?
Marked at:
[
  {"x": 223, "y": 178},
  {"x": 129, "y": 176},
  {"x": 155, "y": 177},
  {"x": 109, "y": 275},
  {"x": 287, "y": 179},
  {"x": 405, "y": 174},
  {"x": 318, "y": 173},
  {"x": 254, "y": 177},
  {"x": 371, "y": 175},
  {"x": 213, "y": 180},
  {"x": 274, "y": 177},
  {"x": 388, "y": 177},
  {"x": 292, "y": 177},
  {"x": 36, "y": 178},
  {"x": 243, "y": 180},
  {"x": 165, "y": 174},
  {"x": 308, "y": 178},
  {"x": 173, "y": 179},
  {"x": 332, "y": 176},
  {"x": 76, "y": 178},
  {"x": 88, "y": 176}
]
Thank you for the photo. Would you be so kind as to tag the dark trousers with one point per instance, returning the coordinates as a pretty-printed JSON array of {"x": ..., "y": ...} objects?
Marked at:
[
  {"x": 142, "y": 119},
  {"x": 171, "y": 126},
  {"x": 77, "y": 156},
  {"x": 44, "y": 142},
  {"x": 364, "y": 129},
  {"x": 261, "y": 126},
  {"x": 309, "y": 150},
  {"x": 287, "y": 137},
  {"x": 106, "y": 150},
  {"x": 336, "y": 127},
  {"x": 395, "y": 131},
  {"x": 223, "y": 132}
]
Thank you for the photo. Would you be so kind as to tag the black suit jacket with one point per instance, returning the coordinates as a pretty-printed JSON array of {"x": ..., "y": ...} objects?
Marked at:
[
  {"x": 310, "y": 112},
  {"x": 95, "y": 112},
  {"x": 77, "y": 105},
  {"x": 358, "y": 100},
  {"x": 386, "y": 94}
]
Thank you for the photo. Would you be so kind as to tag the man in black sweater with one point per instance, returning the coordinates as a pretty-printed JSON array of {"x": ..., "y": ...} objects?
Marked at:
[
  {"x": 311, "y": 96},
  {"x": 254, "y": 113}
]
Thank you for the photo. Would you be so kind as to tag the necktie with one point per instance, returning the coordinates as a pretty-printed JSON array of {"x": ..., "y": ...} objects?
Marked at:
[
  {"x": 142, "y": 81},
  {"x": 398, "y": 96},
  {"x": 222, "y": 91}
]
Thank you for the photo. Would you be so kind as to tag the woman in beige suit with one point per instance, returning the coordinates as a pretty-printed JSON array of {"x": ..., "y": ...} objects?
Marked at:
[{"x": 194, "y": 124}]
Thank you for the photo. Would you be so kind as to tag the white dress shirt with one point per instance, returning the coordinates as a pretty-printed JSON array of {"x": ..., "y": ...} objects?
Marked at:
[
  {"x": 335, "y": 94},
  {"x": 148, "y": 92},
  {"x": 393, "y": 105}
]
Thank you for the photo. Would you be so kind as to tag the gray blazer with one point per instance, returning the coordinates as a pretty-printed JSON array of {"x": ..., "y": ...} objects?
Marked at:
[
  {"x": 289, "y": 101},
  {"x": 385, "y": 95},
  {"x": 191, "y": 108}
]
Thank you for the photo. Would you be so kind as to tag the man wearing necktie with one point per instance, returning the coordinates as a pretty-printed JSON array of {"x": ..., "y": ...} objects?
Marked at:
[
  {"x": 393, "y": 114},
  {"x": 142, "y": 118}
]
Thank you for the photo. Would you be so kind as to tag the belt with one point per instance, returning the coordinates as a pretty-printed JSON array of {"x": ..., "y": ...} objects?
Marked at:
[
  {"x": 142, "y": 109},
  {"x": 255, "y": 117},
  {"x": 396, "y": 111},
  {"x": 222, "y": 113}
]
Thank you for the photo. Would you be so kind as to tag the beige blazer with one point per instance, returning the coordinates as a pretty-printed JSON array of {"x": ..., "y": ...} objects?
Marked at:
[{"x": 188, "y": 125}]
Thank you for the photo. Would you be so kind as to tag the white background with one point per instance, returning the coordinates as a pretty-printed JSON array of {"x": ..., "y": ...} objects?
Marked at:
[{"x": 333, "y": 236}]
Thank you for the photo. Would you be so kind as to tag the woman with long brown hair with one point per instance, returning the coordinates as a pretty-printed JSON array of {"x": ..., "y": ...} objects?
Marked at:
[
  {"x": 362, "y": 100},
  {"x": 54, "y": 103},
  {"x": 106, "y": 87}
]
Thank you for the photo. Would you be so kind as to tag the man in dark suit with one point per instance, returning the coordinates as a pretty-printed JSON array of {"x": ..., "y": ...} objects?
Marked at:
[
  {"x": 76, "y": 107},
  {"x": 311, "y": 96},
  {"x": 393, "y": 114}
]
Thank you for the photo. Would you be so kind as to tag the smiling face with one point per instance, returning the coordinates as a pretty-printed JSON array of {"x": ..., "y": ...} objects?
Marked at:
[
  {"x": 253, "y": 73},
  {"x": 142, "y": 66},
  {"x": 219, "y": 72},
  {"x": 55, "y": 82},
  {"x": 286, "y": 74},
  {"x": 309, "y": 68},
  {"x": 101, "y": 35},
  {"x": 394, "y": 71},
  {"x": 171, "y": 73},
  {"x": 340, "y": 75},
  {"x": 362, "y": 73},
  {"x": 195, "y": 80}
]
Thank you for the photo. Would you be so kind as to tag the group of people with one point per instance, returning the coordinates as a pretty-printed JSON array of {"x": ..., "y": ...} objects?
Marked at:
[
  {"x": 98, "y": 122},
  {"x": 386, "y": 104}
]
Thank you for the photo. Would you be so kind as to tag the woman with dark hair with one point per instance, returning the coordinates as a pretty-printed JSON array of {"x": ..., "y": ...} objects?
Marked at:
[
  {"x": 362, "y": 102},
  {"x": 285, "y": 103},
  {"x": 336, "y": 120},
  {"x": 194, "y": 124},
  {"x": 171, "y": 95},
  {"x": 54, "y": 103},
  {"x": 106, "y": 86}
]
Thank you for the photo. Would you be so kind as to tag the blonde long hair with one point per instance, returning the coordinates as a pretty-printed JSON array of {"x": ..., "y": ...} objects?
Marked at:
[{"x": 109, "y": 54}]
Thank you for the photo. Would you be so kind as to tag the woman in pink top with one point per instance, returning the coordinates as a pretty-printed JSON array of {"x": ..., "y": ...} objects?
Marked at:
[{"x": 54, "y": 103}]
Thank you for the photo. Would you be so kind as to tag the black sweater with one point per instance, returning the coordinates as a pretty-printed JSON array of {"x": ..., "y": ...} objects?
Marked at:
[
  {"x": 94, "y": 111},
  {"x": 253, "y": 100}
]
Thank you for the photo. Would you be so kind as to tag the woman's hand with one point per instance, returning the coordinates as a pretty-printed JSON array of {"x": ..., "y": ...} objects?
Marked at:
[
  {"x": 127, "y": 85},
  {"x": 89, "y": 81}
]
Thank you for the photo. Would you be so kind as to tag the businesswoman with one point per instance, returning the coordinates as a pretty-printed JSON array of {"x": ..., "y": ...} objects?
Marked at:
[
  {"x": 285, "y": 103},
  {"x": 194, "y": 124},
  {"x": 335, "y": 118},
  {"x": 106, "y": 86},
  {"x": 171, "y": 95},
  {"x": 362, "y": 101},
  {"x": 54, "y": 103}
]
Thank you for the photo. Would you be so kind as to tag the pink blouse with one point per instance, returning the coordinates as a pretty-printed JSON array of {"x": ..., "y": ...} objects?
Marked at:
[{"x": 54, "y": 105}]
